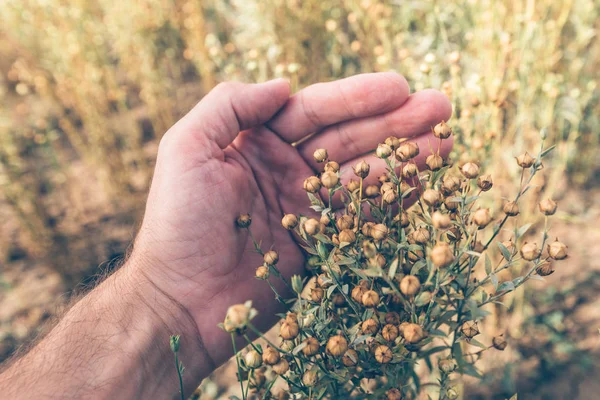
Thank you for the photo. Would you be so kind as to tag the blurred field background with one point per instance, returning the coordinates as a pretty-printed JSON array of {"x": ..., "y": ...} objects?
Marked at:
[{"x": 88, "y": 88}]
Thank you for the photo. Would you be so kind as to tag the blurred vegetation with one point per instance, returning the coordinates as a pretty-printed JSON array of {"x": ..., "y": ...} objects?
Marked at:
[{"x": 88, "y": 87}]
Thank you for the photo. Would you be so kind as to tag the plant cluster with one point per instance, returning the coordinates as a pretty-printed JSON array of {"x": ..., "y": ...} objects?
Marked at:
[{"x": 397, "y": 276}]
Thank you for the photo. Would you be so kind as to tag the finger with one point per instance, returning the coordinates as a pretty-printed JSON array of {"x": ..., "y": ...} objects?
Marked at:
[
  {"x": 323, "y": 104},
  {"x": 228, "y": 109},
  {"x": 350, "y": 139},
  {"x": 427, "y": 145}
]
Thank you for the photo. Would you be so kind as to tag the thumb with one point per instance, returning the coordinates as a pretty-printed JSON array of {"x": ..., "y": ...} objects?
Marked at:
[{"x": 228, "y": 109}]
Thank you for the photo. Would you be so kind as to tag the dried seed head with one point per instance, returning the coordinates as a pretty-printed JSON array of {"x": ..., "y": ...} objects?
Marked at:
[
  {"x": 383, "y": 178},
  {"x": 389, "y": 197},
  {"x": 352, "y": 185},
  {"x": 451, "y": 203},
  {"x": 447, "y": 365},
  {"x": 331, "y": 166},
  {"x": 454, "y": 234},
  {"x": 393, "y": 142},
  {"x": 452, "y": 393},
  {"x": 441, "y": 221},
  {"x": 548, "y": 207},
  {"x": 281, "y": 367},
  {"x": 372, "y": 191},
  {"x": 482, "y": 217},
  {"x": 320, "y": 155},
  {"x": 317, "y": 294},
  {"x": 338, "y": 300},
  {"x": 432, "y": 197},
  {"x": 442, "y": 131},
  {"x": 409, "y": 170},
  {"x": 370, "y": 298},
  {"x": 434, "y": 162},
  {"x": 310, "y": 378},
  {"x": 386, "y": 187},
  {"x": 271, "y": 257},
  {"x": 367, "y": 227},
  {"x": 421, "y": 236},
  {"x": 450, "y": 184},
  {"x": 325, "y": 220},
  {"x": 402, "y": 218},
  {"x": 393, "y": 394},
  {"x": 525, "y": 160},
  {"x": 237, "y": 317},
  {"x": 557, "y": 250},
  {"x": 378, "y": 261},
  {"x": 336, "y": 346},
  {"x": 347, "y": 236},
  {"x": 441, "y": 255},
  {"x": 243, "y": 220},
  {"x": 379, "y": 231},
  {"x": 312, "y": 226},
  {"x": 383, "y": 150},
  {"x": 253, "y": 359},
  {"x": 499, "y": 342},
  {"x": 362, "y": 169},
  {"x": 470, "y": 329},
  {"x": 389, "y": 332},
  {"x": 357, "y": 294},
  {"x": 312, "y": 184},
  {"x": 369, "y": 327},
  {"x": 257, "y": 379},
  {"x": 350, "y": 358},
  {"x": 530, "y": 251},
  {"x": 511, "y": 208},
  {"x": 270, "y": 356},
  {"x": 413, "y": 333},
  {"x": 288, "y": 330},
  {"x": 262, "y": 272},
  {"x": 312, "y": 346},
  {"x": 383, "y": 354},
  {"x": 470, "y": 170},
  {"x": 329, "y": 179},
  {"x": 289, "y": 221},
  {"x": 410, "y": 285},
  {"x": 392, "y": 317},
  {"x": 345, "y": 222},
  {"x": 485, "y": 183},
  {"x": 545, "y": 269},
  {"x": 407, "y": 151}
]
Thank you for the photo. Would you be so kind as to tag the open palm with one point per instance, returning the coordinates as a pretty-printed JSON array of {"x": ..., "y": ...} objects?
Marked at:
[{"x": 234, "y": 153}]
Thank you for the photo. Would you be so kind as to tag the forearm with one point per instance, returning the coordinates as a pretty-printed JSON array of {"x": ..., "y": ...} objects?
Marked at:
[{"x": 113, "y": 343}]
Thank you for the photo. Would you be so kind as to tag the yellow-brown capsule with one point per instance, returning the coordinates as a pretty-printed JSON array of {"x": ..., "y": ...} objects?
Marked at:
[
  {"x": 288, "y": 330},
  {"x": 324, "y": 220},
  {"x": 379, "y": 231},
  {"x": 410, "y": 285},
  {"x": 450, "y": 184},
  {"x": 383, "y": 178},
  {"x": 309, "y": 378},
  {"x": 393, "y": 394},
  {"x": 347, "y": 236},
  {"x": 352, "y": 185},
  {"x": 243, "y": 220},
  {"x": 271, "y": 257},
  {"x": 389, "y": 332},
  {"x": 369, "y": 327},
  {"x": 482, "y": 217},
  {"x": 357, "y": 294},
  {"x": 383, "y": 354},
  {"x": 545, "y": 269},
  {"x": 312, "y": 184},
  {"x": 336, "y": 346},
  {"x": 447, "y": 365},
  {"x": 470, "y": 329},
  {"x": 312, "y": 226},
  {"x": 350, "y": 358},
  {"x": 557, "y": 250},
  {"x": 262, "y": 272},
  {"x": 331, "y": 166},
  {"x": 289, "y": 221},
  {"x": 311, "y": 347},
  {"x": 402, "y": 218},
  {"x": 511, "y": 208},
  {"x": 525, "y": 160},
  {"x": 383, "y": 150},
  {"x": 389, "y": 197},
  {"x": 281, "y": 367},
  {"x": 392, "y": 317},
  {"x": 317, "y": 294},
  {"x": 253, "y": 359},
  {"x": 442, "y": 131},
  {"x": 442, "y": 255},
  {"x": 320, "y": 155},
  {"x": 329, "y": 179},
  {"x": 548, "y": 207},
  {"x": 432, "y": 197},
  {"x": 485, "y": 183},
  {"x": 499, "y": 342},
  {"x": 407, "y": 151},
  {"x": 338, "y": 300},
  {"x": 393, "y": 142},
  {"x": 270, "y": 356},
  {"x": 421, "y": 236},
  {"x": 413, "y": 333},
  {"x": 441, "y": 221},
  {"x": 378, "y": 261},
  {"x": 372, "y": 191},
  {"x": 370, "y": 298},
  {"x": 257, "y": 379},
  {"x": 530, "y": 251},
  {"x": 470, "y": 170},
  {"x": 409, "y": 170},
  {"x": 434, "y": 162},
  {"x": 345, "y": 222},
  {"x": 362, "y": 169},
  {"x": 451, "y": 203}
]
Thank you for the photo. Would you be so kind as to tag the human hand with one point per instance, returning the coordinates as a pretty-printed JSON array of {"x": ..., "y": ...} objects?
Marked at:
[{"x": 233, "y": 154}]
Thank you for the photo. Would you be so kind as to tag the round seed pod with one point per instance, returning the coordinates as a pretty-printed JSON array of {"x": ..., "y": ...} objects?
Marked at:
[
  {"x": 362, "y": 169},
  {"x": 485, "y": 182},
  {"x": 548, "y": 207},
  {"x": 369, "y": 327},
  {"x": 389, "y": 332},
  {"x": 329, "y": 179},
  {"x": 312, "y": 227},
  {"x": 434, "y": 162},
  {"x": 392, "y": 317},
  {"x": 379, "y": 232},
  {"x": 557, "y": 250},
  {"x": 447, "y": 365},
  {"x": 281, "y": 367},
  {"x": 345, "y": 222},
  {"x": 338, "y": 300},
  {"x": 336, "y": 346},
  {"x": 407, "y": 151},
  {"x": 357, "y": 294},
  {"x": 450, "y": 184},
  {"x": 393, "y": 394},
  {"x": 270, "y": 356},
  {"x": 470, "y": 170},
  {"x": 442, "y": 131},
  {"x": 413, "y": 333},
  {"x": 451, "y": 205},
  {"x": 370, "y": 298},
  {"x": 402, "y": 218},
  {"x": 383, "y": 354},
  {"x": 421, "y": 236},
  {"x": 511, "y": 208},
  {"x": 441, "y": 221},
  {"x": 350, "y": 358},
  {"x": 530, "y": 251},
  {"x": 525, "y": 160},
  {"x": 243, "y": 220},
  {"x": 312, "y": 184},
  {"x": 410, "y": 285},
  {"x": 331, "y": 166},
  {"x": 499, "y": 342},
  {"x": 372, "y": 191},
  {"x": 347, "y": 236},
  {"x": 320, "y": 155},
  {"x": 545, "y": 269},
  {"x": 376, "y": 262},
  {"x": 393, "y": 142},
  {"x": 442, "y": 255},
  {"x": 312, "y": 347},
  {"x": 317, "y": 294},
  {"x": 262, "y": 272},
  {"x": 367, "y": 228},
  {"x": 389, "y": 197},
  {"x": 325, "y": 220},
  {"x": 482, "y": 217},
  {"x": 470, "y": 329},
  {"x": 352, "y": 185},
  {"x": 253, "y": 359},
  {"x": 383, "y": 150},
  {"x": 409, "y": 170},
  {"x": 310, "y": 378},
  {"x": 289, "y": 221},
  {"x": 288, "y": 330},
  {"x": 432, "y": 197}
]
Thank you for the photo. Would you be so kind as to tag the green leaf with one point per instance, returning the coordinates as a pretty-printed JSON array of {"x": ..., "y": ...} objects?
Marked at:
[
  {"x": 523, "y": 229},
  {"x": 507, "y": 286},
  {"x": 505, "y": 252},
  {"x": 488, "y": 265},
  {"x": 548, "y": 150},
  {"x": 494, "y": 280}
]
